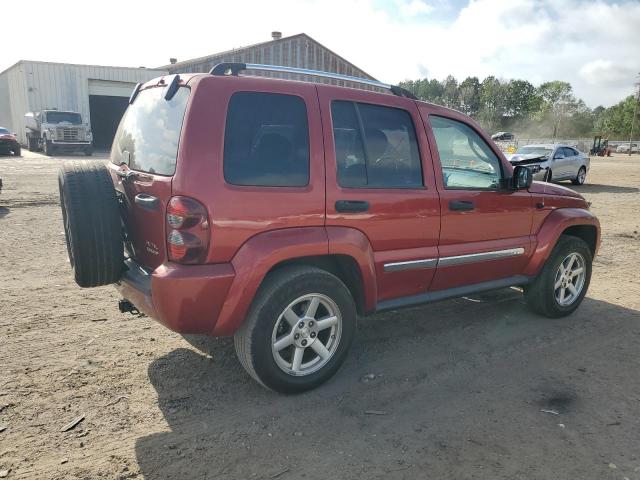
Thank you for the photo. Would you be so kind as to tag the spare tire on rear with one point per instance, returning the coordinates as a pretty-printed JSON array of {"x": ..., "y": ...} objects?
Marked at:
[{"x": 92, "y": 223}]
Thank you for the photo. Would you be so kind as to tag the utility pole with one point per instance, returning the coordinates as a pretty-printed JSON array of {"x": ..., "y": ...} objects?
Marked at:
[{"x": 635, "y": 111}]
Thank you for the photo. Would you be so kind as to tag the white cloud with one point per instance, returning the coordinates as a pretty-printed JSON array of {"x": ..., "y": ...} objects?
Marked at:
[
  {"x": 415, "y": 8},
  {"x": 538, "y": 40}
]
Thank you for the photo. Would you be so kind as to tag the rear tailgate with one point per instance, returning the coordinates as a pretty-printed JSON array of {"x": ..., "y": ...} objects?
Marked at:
[{"x": 143, "y": 161}]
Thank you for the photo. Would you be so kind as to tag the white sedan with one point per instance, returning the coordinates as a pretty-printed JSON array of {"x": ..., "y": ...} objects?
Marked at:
[{"x": 553, "y": 162}]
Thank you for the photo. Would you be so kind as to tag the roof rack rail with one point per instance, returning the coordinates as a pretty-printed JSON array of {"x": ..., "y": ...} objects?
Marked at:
[{"x": 229, "y": 68}]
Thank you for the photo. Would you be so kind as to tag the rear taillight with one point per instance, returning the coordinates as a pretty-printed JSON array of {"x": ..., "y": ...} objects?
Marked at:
[{"x": 188, "y": 230}]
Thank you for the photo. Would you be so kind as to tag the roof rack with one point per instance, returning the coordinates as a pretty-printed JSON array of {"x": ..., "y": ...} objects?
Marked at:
[{"x": 229, "y": 68}]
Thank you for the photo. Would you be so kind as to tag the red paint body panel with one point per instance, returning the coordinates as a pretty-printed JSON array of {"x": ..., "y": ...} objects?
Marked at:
[
  {"x": 353, "y": 243},
  {"x": 184, "y": 298},
  {"x": 146, "y": 229},
  {"x": 238, "y": 213},
  {"x": 254, "y": 260},
  {"x": 547, "y": 236},
  {"x": 401, "y": 224},
  {"x": 501, "y": 219}
]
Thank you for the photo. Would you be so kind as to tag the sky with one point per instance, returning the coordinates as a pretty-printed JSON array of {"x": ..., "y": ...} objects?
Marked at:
[{"x": 594, "y": 45}]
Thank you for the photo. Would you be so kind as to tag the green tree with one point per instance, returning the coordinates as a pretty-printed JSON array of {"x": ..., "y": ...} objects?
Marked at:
[{"x": 469, "y": 96}]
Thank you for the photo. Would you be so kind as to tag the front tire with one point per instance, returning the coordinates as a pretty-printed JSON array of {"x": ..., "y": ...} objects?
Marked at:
[
  {"x": 298, "y": 331},
  {"x": 564, "y": 280},
  {"x": 17, "y": 152},
  {"x": 581, "y": 177},
  {"x": 48, "y": 148}
]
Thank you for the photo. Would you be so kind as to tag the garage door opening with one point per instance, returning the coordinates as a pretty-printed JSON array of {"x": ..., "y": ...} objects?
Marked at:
[
  {"x": 108, "y": 99},
  {"x": 106, "y": 112}
]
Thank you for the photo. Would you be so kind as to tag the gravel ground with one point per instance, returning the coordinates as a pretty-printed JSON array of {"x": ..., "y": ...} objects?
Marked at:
[{"x": 459, "y": 387}]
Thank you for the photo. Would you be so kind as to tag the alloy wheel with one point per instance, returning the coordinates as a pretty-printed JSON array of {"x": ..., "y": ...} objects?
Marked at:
[
  {"x": 570, "y": 278},
  {"x": 306, "y": 334}
]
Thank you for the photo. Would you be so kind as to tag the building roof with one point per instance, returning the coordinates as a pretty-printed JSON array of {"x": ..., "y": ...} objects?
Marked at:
[
  {"x": 78, "y": 65},
  {"x": 239, "y": 50}
]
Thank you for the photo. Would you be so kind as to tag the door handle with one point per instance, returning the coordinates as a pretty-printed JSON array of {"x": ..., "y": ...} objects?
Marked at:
[
  {"x": 352, "y": 206},
  {"x": 146, "y": 201},
  {"x": 461, "y": 205}
]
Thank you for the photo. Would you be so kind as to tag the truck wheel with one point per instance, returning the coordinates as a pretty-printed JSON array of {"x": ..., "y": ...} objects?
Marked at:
[
  {"x": 563, "y": 282},
  {"x": 298, "y": 331},
  {"x": 581, "y": 177},
  {"x": 32, "y": 144},
  {"x": 92, "y": 224},
  {"x": 88, "y": 151},
  {"x": 49, "y": 149}
]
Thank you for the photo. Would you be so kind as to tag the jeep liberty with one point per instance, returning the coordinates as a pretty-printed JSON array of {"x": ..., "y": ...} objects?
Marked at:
[{"x": 280, "y": 211}]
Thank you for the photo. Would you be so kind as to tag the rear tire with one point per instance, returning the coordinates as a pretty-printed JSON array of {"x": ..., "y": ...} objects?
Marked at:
[
  {"x": 92, "y": 223},
  {"x": 286, "y": 290},
  {"x": 542, "y": 295},
  {"x": 581, "y": 177},
  {"x": 17, "y": 152}
]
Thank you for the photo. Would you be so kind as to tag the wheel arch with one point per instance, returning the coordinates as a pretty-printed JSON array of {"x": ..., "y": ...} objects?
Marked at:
[
  {"x": 563, "y": 221},
  {"x": 344, "y": 267},
  {"x": 270, "y": 251},
  {"x": 588, "y": 233}
]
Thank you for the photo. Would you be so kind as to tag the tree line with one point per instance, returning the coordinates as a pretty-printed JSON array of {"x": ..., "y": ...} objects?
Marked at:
[{"x": 549, "y": 110}]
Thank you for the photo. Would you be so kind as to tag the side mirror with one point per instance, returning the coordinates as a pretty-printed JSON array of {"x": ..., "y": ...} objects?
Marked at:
[{"x": 522, "y": 178}]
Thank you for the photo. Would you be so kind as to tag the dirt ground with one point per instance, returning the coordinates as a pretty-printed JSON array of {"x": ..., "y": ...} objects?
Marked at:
[{"x": 459, "y": 386}]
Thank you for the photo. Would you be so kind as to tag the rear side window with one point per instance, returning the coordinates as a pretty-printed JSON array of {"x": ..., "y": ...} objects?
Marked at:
[
  {"x": 149, "y": 132},
  {"x": 266, "y": 140},
  {"x": 376, "y": 146}
]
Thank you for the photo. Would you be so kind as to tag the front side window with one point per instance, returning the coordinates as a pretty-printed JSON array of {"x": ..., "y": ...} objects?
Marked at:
[
  {"x": 266, "y": 140},
  {"x": 467, "y": 161},
  {"x": 375, "y": 146}
]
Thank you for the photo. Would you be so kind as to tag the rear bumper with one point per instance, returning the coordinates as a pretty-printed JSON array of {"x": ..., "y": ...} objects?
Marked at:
[{"x": 184, "y": 298}]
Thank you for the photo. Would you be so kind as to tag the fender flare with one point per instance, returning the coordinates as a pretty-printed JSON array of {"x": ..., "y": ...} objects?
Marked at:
[
  {"x": 253, "y": 261},
  {"x": 261, "y": 253},
  {"x": 355, "y": 244},
  {"x": 552, "y": 227}
]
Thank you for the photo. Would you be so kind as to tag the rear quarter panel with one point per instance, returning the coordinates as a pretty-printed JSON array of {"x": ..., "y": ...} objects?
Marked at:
[{"x": 237, "y": 213}]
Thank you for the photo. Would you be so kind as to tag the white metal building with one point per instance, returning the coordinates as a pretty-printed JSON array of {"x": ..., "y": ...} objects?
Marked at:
[{"x": 100, "y": 94}]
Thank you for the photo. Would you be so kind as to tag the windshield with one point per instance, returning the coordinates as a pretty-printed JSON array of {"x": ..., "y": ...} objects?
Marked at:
[
  {"x": 534, "y": 151},
  {"x": 3, "y": 131},
  {"x": 59, "y": 117},
  {"x": 148, "y": 135}
]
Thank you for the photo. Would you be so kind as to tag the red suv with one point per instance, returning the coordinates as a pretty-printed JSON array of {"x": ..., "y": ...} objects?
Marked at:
[{"x": 279, "y": 211}]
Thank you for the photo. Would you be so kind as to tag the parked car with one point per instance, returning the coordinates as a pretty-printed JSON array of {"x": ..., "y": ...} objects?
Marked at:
[
  {"x": 624, "y": 148},
  {"x": 9, "y": 143},
  {"x": 502, "y": 136},
  {"x": 279, "y": 211},
  {"x": 553, "y": 162}
]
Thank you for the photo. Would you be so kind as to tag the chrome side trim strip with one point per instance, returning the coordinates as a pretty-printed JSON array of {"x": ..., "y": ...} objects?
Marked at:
[
  {"x": 410, "y": 265},
  {"x": 478, "y": 257}
]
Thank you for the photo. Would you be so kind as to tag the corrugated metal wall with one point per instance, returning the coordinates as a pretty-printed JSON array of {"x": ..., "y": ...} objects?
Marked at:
[
  {"x": 35, "y": 86},
  {"x": 299, "y": 51}
]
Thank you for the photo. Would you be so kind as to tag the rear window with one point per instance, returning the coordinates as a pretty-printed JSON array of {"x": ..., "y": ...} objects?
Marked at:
[
  {"x": 148, "y": 135},
  {"x": 266, "y": 140}
]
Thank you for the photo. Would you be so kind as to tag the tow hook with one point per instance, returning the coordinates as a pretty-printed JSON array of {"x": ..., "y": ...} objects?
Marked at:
[{"x": 125, "y": 306}]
